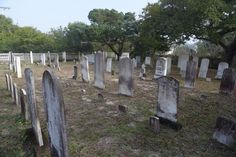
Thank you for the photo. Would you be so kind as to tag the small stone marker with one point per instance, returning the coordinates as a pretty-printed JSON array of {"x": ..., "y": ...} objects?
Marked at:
[
  {"x": 109, "y": 65},
  {"x": 147, "y": 60},
  {"x": 18, "y": 68},
  {"x": 126, "y": 77},
  {"x": 134, "y": 62},
  {"x": 99, "y": 71},
  {"x": 31, "y": 58},
  {"x": 225, "y": 131},
  {"x": 124, "y": 54},
  {"x": 154, "y": 123},
  {"x": 169, "y": 65},
  {"x": 138, "y": 59},
  {"x": 142, "y": 73},
  {"x": 30, "y": 89},
  {"x": 75, "y": 72},
  {"x": 16, "y": 96},
  {"x": 56, "y": 121},
  {"x": 91, "y": 58},
  {"x": 161, "y": 67},
  {"x": 203, "y": 68},
  {"x": 43, "y": 59},
  {"x": 7, "y": 82},
  {"x": 11, "y": 87},
  {"x": 191, "y": 72},
  {"x": 227, "y": 82},
  {"x": 57, "y": 63},
  {"x": 85, "y": 69},
  {"x": 24, "y": 104},
  {"x": 64, "y": 57},
  {"x": 122, "y": 108},
  {"x": 221, "y": 67}
]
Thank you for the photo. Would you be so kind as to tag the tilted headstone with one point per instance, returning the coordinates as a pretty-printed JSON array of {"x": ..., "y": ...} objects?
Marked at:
[
  {"x": 31, "y": 57},
  {"x": 169, "y": 60},
  {"x": 191, "y": 72},
  {"x": 75, "y": 72},
  {"x": 126, "y": 82},
  {"x": 85, "y": 69},
  {"x": 55, "y": 111},
  {"x": 183, "y": 64},
  {"x": 64, "y": 56},
  {"x": 99, "y": 71},
  {"x": 18, "y": 68},
  {"x": 225, "y": 131},
  {"x": 142, "y": 73},
  {"x": 138, "y": 59},
  {"x": 16, "y": 96},
  {"x": 31, "y": 97},
  {"x": 227, "y": 82},
  {"x": 221, "y": 67},
  {"x": 203, "y": 68},
  {"x": 109, "y": 65},
  {"x": 147, "y": 60},
  {"x": 43, "y": 59},
  {"x": 7, "y": 82},
  {"x": 11, "y": 87},
  {"x": 168, "y": 97},
  {"x": 24, "y": 104},
  {"x": 134, "y": 62},
  {"x": 161, "y": 67}
]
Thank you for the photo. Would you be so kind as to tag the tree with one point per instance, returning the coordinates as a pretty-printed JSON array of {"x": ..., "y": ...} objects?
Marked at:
[
  {"x": 178, "y": 21},
  {"x": 113, "y": 28}
]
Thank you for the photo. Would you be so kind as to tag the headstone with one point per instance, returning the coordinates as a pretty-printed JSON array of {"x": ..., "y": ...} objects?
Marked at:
[
  {"x": 191, "y": 72},
  {"x": 142, "y": 73},
  {"x": 10, "y": 56},
  {"x": 16, "y": 96},
  {"x": 227, "y": 82},
  {"x": 124, "y": 54},
  {"x": 7, "y": 82},
  {"x": 126, "y": 82},
  {"x": 138, "y": 59},
  {"x": 43, "y": 59},
  {"x": 203, "y": 68},
  {"x": 134, "y": 62},
  {"x": 147, "y": 60},
  {"x": 31, "y": 57},
  {"x": 11, "y": 87},
  {"x": 99, "y": 71},
  {"x": 49, "y": 58},
  {"x": 169, "y": 65},
  {"x": 154, "y": 122},
  {"x": 55, "y": 111},
  {"x": 183, "y": 59},
  {"x": 30, "y": 89},
  {"x": 91, "y": 58},
  {"x": 64, "y": 56},
  {"x": 161, "y": 67},
  {"x": 14, "y": 64},
  {"x": 57, "y": 64},
  {"x": 75, "y": 72},
  {"x": 168, "y": 97},
  {"x": 18, "y": 68},
  {"x": 109, "y": 65},
  {"x": 24, "y": 105},
  {"x": 221, "y": 67},
  {"x": 85, "y": 69},
  {"x": 195, "y": 59},
  {"x": 225, "y": 131}
]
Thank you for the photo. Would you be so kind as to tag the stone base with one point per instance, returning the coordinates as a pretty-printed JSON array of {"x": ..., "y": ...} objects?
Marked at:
[{"x": 174, "y": 125}]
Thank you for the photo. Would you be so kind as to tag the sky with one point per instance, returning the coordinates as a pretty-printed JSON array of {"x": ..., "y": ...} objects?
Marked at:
[{"x": 47, "y": 14}]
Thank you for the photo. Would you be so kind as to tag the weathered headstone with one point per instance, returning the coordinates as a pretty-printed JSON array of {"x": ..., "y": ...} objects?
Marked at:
[
  {"x": 126, "y": 83},
  {"x": 64, "y": 56},
  {"x": 169, "y": 65},
  {"x": 49, "y": 58},
  {"x": 147, "y": 60},
  {"x": 55, "y": 111},
  {"x": 91, "y": 58},
  {"x": 85, "y": 69},
  {"x": 7, "y": 82},
  {"x": 227, "y": 82},
  {"x": 11, "y": 87},
  {"x": 124, "y": 54},
  {"x": 43, "y": 59},
  {"x": 16, "y": 96},
  {"x": 30, "y": 89},
  {"x": 138, "y": 59},
  {"x": 221, "y": 67},
  {"x": 31, "y": 57},
  {"x": 154, "y": 122},
  {"x": 191, "y": 72},
  {"x": 161, "y": 67},
  {"x": 75, "y": 72},
  {"x": 57, "y": 63},
  {"x": 99, "y": 71},
  {"x": 183, "y": 64},
  {"x": 24, "y": 104},
  {"x": 14, "y": 64},
  {"x": 10, "y": 56},
  {"x": 142, "y": 73},
  {"x": 203, "y": 68},
  {"x": 109, "y": 65},
  {"x": 134, "y": 62},
  {"x": 225, "y": 131},
  {"x": 195, "y": 59},
  {"x": 18, "y": 68}
]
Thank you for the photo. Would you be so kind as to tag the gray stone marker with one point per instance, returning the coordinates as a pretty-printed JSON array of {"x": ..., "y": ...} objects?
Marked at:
[
  {"x": 124, "y": 54},
  {"x": 30, "y": 89},
  {"x": 85, "y": 69},
  {"x": 147, "y": 60},
  {"x": 49, "y": 58},
  {"x": 14, "y": 64},
  {"x": 18, "y": 68},
  {"x": 161, "y": 67},
  {"x": 142, "y": 73},
  {"x": 183, "y": 59},
  {"x": 99, "y": 71},
  {"x": 169, "y": 65},
  {"x": 7, "y": 82},
  {"x": 57, "y": 63},
  {"x": 154, "y": 123},
  {"x": 64, "y": 56},
  {"x": 11, "y": 87},
  {"x": 75, "y": 72},
  {"x": 10, "y": 56},
  {"x": 225, "y": 131},
  {"x": 138, "y": 59},
  {"x": 227, "y": 82},
  {"x": 16, "y": 96},
  {"x": 91, "y": 58},
  {"x": 43, "y": 59},
  {"x": 195, "y": 59},
  {"x": 168, "y": 98},
  {"x": 221, "y": 67},
  {"x": 31, "y": 57},
  {"x": 56, "y": 121},
  {"x": 191, "y": 72},
  {"x": 126, "y": 82},
  {"x": 109, "y": 65},
  {"x": 24, "y": 104},
  {"x": 203, "y": 68},
  {"x": 134, "y": 63}
]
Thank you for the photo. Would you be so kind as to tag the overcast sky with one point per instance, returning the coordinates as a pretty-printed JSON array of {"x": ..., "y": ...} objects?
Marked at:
[{"x": 46, "y": 14}]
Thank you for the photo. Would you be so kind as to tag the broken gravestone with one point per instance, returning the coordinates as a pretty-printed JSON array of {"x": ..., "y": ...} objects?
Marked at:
[
  {"x": 55, "y": 111},
  {"x": 221, "y": 67},
  {"x": 24, "y": 105},
  {"x": 191, "y": 72},
  {"x": 227, "y": 82},
  {"x": 99, "y": 71}
]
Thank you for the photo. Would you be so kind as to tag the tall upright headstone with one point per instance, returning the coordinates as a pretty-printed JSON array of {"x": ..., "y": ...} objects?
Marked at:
[
  {"x": 31, "y": 57},
  {"x": 183, "y": 64},
  {"x": 169, "y": 65},
  {"x": 7, "y": 82},
  {"x": 161, "y": 67},
  {"x": 147, "y": 60},
  {"x": 11, "y": 87},
  {"x": 109, "y": 65},
  {"x": 57, "y": 62},
  {"x": 221, "y": 67},
  {"x": 85, "y": 69},
  {"x": 16, "y": 96},
  {"x": 75, "y": 75},
  {"x": 24, "y": 104},
  {"x": 43, "y": 59},
  {"x": 30, "y": 89},
  {"x": 14, "y": 64},
  {"x": 227, "y": 82},
  {"x": 10, "y": 56},
  {"x": 195, "y": 59},
  {"x": 134, "y": 62},
  {"x": 203, "y": 68},
  {"x": 18, "y": 68},
  {"x": 191, "y": 72},
  {"x": 64, "y": 56},
  {"x": 55, "y": 111},
  {"x": 99, "y": 71},
  {"x": 138, "y": 59},
  {"x": 126, "y": 82},
  {"x": 49, "y": 58}
]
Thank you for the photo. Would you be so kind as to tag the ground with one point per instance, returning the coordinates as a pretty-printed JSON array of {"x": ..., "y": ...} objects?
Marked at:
[{"x": 95, "y": 127}]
